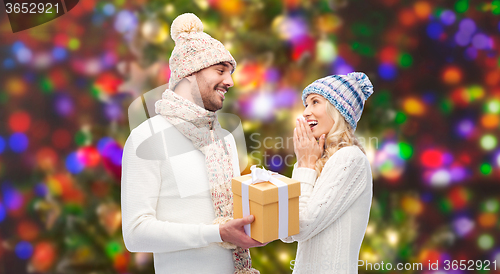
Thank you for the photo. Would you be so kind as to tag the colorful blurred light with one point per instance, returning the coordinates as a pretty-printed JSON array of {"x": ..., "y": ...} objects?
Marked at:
[
  {"x": 108, "y": 9},
  {"x": 432, "y": 158},
  {"x": 459, "y": 197},
  {"x": 47, "y": 158},
  {"x": 43, "y": 256},
  {"x": 440, "y": 178},
  {"x": 422, "y": 9},
  {"x": 471, "y": 53},
  {"x": 112, "y": 249},
  {"x": 74, "y": 164},
  {"x": 475, "y": 92},
  {"x": 24, "y": 250},
  {"x": 341, "y": 67},
  {"x": 15, "y": 86},
  {"x": 286, "y": 98},
  {"x": 388, "y": 54},
  {"x": 3, "y": 212},
  {"x": 447, "y": 17},
  {"x": 24, "y": 55},
  {"x": 405, "y": 60},
  {"x": 487, "y": 220},
  {"x": 387, "y": 71},
  {"x": 326, "y": 51},
  {"x": 18, "y": 142},
  {"x": 102, "y": 144},
  {"x": 458, "y": 173},
  {"x": 113, "y": 111},
  {"x": 9, "y": 63},
  {"x": 485, "y": 241},
  {"x": 113, "y": 151},
  {"x": 491, "y": 206},
  {"x": 59, "y": 53},
  {"x": 19, "y": 121},
  {"x": 412, "y": 205},
  {"x": 490, "y": 121},
  {"x": 290, "y": 28},
  {"x": 89, "y": 156},
  {"x": 452, "y": 75},
  {"x": 389, "y": 162},
  {"x": 467, "y": 26},
  {"x": 63, "y": 104},
  {"x": 493, "y": 106},
  {"x": 463, "y": 226},
  {"x": 74, "y": 44},
  {"x": 262, "y": 106},
  {"x": 405, "y": 151},
  {"x": 41, "y": 190},
  {"x": 465, "y": 127},
  {"x": 83, "y": 137},
  {"x": 413, "y": 106},
  {"x": 2, "y": 144},
  {"x": 486, "y": 169},
  {"x": 27, "y": 230},
  {"x": 125, "y": 21},
  {"x": 481, "y": 41},
  {"x": 488, "y": 142},
  {"x": 434, "y": 30},
  {"x": 462, "y": 38},
  {"x": 272, "y": 75}
]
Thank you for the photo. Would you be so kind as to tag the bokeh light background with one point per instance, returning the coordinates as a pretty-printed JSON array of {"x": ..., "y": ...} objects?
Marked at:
[{"x": 431, "y": 129}]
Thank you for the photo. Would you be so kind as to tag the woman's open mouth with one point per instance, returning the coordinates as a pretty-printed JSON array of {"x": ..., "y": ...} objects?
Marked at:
[{"x": 312, "y": 123}]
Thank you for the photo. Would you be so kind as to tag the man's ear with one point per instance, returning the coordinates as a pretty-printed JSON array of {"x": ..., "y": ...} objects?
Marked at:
[{"x": 191, "y": 78}]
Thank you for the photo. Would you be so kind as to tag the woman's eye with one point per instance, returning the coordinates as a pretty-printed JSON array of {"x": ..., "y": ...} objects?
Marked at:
[{"x": 315, "y": 101}]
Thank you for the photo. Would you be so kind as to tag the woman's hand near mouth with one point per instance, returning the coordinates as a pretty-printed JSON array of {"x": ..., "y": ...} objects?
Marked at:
[{"x": 306, "y": 148}]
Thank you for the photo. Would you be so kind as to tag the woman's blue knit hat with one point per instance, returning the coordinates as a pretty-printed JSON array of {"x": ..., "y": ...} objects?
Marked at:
[{"x": 347, "y": 93}]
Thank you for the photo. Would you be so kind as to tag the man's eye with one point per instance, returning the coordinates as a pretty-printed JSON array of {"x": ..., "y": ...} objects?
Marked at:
[{"x": 315, "y": 101}]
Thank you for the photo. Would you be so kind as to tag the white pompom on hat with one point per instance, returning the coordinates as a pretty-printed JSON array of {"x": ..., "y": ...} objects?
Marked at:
[{"x": 194, "y": 49}]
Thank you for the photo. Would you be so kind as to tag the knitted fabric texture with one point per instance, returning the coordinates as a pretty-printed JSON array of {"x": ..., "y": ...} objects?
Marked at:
[
  {"x": 194, "y": 50},
  {"x": 203, "y": 129},
  {"x": 347, "y": 93}
]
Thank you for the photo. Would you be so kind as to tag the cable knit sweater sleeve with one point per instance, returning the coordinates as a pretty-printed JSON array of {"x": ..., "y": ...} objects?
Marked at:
[
  {"x": 142, "y": 231},
  {"x": 323, "y": 200}
]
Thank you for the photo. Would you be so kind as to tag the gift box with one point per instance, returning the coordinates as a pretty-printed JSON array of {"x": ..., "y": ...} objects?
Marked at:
[{"x": 265, "y": 195}]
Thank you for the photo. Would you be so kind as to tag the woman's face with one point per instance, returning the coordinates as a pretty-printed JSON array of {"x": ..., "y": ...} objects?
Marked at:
[{"x": 316, "y": 116}]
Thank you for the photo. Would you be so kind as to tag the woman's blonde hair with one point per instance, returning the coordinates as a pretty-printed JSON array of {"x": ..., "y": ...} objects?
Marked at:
[{"x": 341, "y": 135}]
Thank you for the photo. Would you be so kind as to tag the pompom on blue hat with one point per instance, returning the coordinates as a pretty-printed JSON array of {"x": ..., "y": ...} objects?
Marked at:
[{"x": 347, "y": 93}]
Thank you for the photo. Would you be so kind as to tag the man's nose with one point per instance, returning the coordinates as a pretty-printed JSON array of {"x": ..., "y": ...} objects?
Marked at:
[{"x": 228, "y": 81}]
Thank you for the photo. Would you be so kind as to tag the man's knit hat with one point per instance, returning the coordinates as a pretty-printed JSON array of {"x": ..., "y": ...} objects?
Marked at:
[
  {"x": 194, "y": 50},
  {"x": 347, "y": 93}
]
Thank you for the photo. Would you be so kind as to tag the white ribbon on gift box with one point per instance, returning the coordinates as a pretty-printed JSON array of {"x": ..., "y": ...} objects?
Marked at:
[{"x": 262, "y": 175}]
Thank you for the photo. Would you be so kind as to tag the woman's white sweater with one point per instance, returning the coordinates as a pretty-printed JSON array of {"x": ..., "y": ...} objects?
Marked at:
[{"x": 334, "y": 212}]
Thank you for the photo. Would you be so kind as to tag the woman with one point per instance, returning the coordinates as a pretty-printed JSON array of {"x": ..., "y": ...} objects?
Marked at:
[{"x": 335, "y": 175}]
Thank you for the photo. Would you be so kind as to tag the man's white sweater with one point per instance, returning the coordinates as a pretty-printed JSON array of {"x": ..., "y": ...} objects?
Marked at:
[
  {"x": 333, "y": 212},
  {"x": 166, "y": 204}
]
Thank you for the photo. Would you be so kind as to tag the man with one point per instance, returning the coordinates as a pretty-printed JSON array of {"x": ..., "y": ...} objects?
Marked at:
[{"x": 177, "y": 166}]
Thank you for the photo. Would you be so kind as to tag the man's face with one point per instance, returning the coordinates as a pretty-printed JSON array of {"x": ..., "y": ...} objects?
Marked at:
[{"x": 213, "y": 83}]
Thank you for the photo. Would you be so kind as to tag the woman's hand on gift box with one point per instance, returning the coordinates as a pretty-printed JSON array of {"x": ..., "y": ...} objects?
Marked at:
[
  {"x": 233, "y": 232},
  {"x": 307, "y": 149}
]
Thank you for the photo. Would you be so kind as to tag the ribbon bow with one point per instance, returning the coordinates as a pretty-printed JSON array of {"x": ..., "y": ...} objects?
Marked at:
[{"x": 260, "y": 175}]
